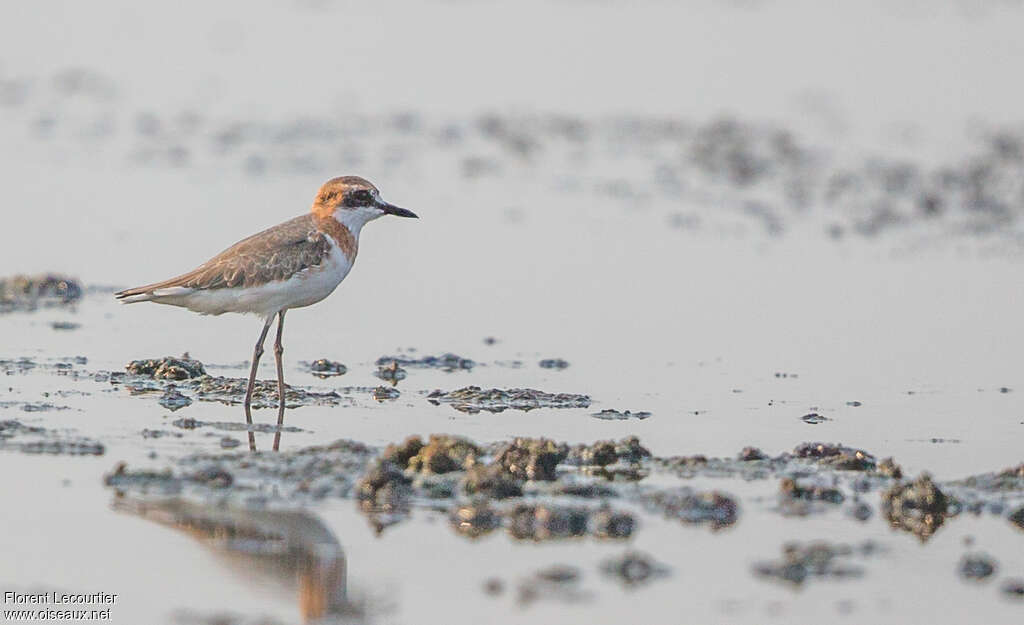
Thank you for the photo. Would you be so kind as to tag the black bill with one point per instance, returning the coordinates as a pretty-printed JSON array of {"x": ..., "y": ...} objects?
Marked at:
[{"x": 391, "y": 209}]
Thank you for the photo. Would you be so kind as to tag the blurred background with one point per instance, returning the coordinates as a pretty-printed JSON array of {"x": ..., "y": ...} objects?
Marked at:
[
  {"x": 730, "y": 118},
  {"x": 687, "y": 200}
]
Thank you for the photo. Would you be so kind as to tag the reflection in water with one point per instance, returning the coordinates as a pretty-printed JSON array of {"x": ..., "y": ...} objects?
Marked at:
[{"x": 293, "y": 547}]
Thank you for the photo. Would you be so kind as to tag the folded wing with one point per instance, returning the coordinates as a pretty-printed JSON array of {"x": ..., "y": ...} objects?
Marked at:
[{"x": 275, "y": 254}]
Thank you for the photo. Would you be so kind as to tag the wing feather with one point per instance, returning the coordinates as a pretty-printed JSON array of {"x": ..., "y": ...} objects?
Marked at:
[{"x": 272, "y": 255}]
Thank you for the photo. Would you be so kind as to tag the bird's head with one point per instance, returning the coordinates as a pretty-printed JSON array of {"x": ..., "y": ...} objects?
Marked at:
[{"x": 353, "y": 201}]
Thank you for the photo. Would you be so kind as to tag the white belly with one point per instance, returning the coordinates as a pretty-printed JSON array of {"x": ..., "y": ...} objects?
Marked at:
[{"x": 303, "y": 289}]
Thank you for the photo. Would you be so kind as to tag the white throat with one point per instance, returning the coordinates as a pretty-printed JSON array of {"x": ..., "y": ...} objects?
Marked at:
[{"x": 355, "y": 218}]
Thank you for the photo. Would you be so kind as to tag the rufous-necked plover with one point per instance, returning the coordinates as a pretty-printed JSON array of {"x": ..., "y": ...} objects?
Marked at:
[{"x": 293, "y": 264}]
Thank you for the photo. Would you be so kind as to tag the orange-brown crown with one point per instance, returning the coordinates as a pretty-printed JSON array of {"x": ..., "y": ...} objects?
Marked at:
[{"x": 341, "y": 191}]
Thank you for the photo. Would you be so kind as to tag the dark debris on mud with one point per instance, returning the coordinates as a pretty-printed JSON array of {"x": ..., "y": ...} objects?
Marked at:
[
  {"x": 918, "y": 507},
  {"x": 167, "y": 368},
  {"x": 29, "y": 439},
  {"x": 610, "y": 414},
  {"x": 977, "y": 567},
  {"x": 634, "y": 568},
  {"x": 538, "y": 489},
  {"x": 452, "y": 467},
  {"x": 323, "y": 368},
  {"x": 184, "y": 379},
  {"x": 714, "y": 509},
  {"x": 473, "y": 399},
  {"x": 802, "y": 562},
  {"x": 1013, "y": 589},
  {"x": 391, "y": 372},
  {"x": 261, "y": 479},
  {"x": 29, "y": 293},
  {"x": 445, "y": 362},
  {"x": 189, "y": 423},
  {"x": 560, "y": 583}
]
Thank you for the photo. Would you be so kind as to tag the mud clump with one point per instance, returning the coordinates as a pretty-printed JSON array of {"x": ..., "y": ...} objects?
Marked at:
[
  {"x": 443, "y": 454},
  {"x": 559, "y": 582},
  {"x": 143, "y": 482},
  {"x": 189, "y": 423},
  {"x": 148, "y": 433},
  {"x": 749, "y": 454},
  {"x": 474, "y": 521},
  {"x": 1013, "y": 589},
  {"x": 610, "y": 414},
  {"x": 1017, "y": 471},
  {"x": 1007, "y": 481},
  {"x": 189, "y": 376},
  {"x": 401, "y": 453},
  {"x": 861, "y": 511},
  {"x": 542, "y": 522},
  {"x": 817, "y": 560},
  {"x": 608, "y": 523},
  {"x": 231, "y": 391},
  {"x": 446, "y": 362},
  {"x": 384, "y": 488},
  {"x": 889, "y": 468},
  {"x": 790, "y": 488},
  {"x": 168, "y": 368},
  {"x": 918, "y": 507},
  {"x": 687, "y": 462},
  {"x": 391, "y": 373},
  {"x": 599, "y": 454},
  {"x": 473, "y": 399},
  {"x": 538, "y": 522},
  {"x": 714, "y": 509},
  {"x": 605, "y": 453},
  {"x": 323, "y": 368},
  {"x": 814, "y": 418},
  {"x": 491, "y": 481},
  {"x": 1017, "y": 518},
  {"x": 291, "y": 478},
  {"x": 384, "y": 393},
  {"x": 29, "y": 293},
  {"x": 836, "y": 456},
  {"x": 531, "y": 458},
  {"x": 213, "y": 476},
  {"x": 634, "y": 568},
  {"x": 16, "y": 436},
  {"x": 976, "y": 567},
  {"x": 173, "y": 400}
]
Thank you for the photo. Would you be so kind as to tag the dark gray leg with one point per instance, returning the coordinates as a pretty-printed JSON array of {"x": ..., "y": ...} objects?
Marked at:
[
  {"x": 252, "y": 381},
  {"x": 278, "y": 352}
]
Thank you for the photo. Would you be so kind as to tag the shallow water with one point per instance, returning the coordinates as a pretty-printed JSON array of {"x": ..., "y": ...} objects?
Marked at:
[{"x": 726, "y": 325}]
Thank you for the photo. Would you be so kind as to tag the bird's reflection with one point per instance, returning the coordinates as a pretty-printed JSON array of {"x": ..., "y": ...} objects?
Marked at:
[
  {"x": 277, "y": 433},
  {"x": 294, "y": 547}
]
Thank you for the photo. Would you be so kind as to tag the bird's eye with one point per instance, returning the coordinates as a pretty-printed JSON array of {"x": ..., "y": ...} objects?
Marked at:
[{"x": 361, "y": 197}]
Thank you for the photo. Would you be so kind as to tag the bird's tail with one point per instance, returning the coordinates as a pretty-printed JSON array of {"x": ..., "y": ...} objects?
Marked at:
[
  {"x": 150, "y": 293},
  {"x": 133, "y": 298}
]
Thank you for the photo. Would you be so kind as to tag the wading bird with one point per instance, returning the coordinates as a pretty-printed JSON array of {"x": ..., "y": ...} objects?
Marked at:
[{"x": 294, "y": 264}]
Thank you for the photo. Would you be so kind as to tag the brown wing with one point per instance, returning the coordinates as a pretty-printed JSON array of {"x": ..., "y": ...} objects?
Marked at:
[{"x": 274, "y": 254}]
